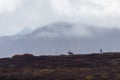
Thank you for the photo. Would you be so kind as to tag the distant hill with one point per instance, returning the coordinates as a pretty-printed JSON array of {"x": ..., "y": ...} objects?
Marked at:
[
  {"x": 96, "y": 66},
  {"x": 59, "y": 37}
]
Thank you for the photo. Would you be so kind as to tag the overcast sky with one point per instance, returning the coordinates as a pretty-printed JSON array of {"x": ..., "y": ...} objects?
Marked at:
[{"x": 15, "y": 15}]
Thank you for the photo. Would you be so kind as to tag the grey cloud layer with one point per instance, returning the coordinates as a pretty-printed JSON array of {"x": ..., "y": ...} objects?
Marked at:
[
  {"x": 36, "y": 13},
  {"x": 29, "y": 13}
]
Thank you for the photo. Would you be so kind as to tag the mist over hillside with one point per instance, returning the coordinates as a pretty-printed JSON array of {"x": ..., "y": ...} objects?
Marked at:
[{"x": 59, "y": 37}]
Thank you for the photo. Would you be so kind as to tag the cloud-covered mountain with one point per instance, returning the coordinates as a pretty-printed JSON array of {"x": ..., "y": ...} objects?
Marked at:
[
  {"x": 58, "y": 38},
  {"x": 24, "y": 31}
]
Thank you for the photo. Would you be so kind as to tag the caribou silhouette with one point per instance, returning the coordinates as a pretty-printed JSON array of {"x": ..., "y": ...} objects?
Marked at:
[
  {"x": 101, "y": 50},
  {"x": 70, "y": 53}
]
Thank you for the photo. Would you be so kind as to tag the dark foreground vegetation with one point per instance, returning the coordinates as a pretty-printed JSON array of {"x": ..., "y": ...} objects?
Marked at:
[{"x": 100, "y": 66}]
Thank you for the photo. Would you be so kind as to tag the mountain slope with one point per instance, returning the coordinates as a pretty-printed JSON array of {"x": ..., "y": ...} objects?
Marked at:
[{"x": 60, "y": 37}]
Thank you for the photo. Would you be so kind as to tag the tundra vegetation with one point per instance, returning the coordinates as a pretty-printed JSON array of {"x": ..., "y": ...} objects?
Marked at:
[{"x": 96, "y": 66}]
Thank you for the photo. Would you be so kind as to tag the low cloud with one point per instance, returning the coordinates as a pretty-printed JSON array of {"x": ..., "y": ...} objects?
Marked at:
[
  {"x": 8, "y": 5},
  {"x": 64, "y": 29},
  {"x": 15, "y": 15},
  {"x": 103, "y": 13},
  {"x": 87, "y": 7}
]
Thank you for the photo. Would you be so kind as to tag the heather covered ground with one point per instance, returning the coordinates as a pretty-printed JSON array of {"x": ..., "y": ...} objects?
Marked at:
[{"x": 97, "y": 66}]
